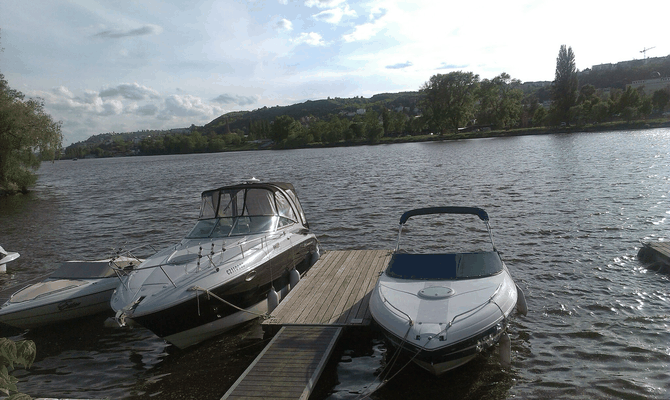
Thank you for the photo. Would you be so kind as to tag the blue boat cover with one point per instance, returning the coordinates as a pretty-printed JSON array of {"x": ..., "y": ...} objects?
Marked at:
[{"x": 444, "y": 266}]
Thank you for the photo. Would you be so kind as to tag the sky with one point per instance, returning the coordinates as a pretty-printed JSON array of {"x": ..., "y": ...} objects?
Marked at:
[{"x": 123, "y": 66}]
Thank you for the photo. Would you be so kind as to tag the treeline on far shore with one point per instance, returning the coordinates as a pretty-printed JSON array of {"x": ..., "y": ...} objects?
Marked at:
[{"x": 453, "y": 105}]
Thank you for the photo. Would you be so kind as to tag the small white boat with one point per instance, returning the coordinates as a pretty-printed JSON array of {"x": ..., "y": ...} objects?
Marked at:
[
  {"x": 5, "y": 257},
  {"x": 76, "y": 289},
  {"x": 247, "y": 248},
  {"x": 443, "y": 309}
]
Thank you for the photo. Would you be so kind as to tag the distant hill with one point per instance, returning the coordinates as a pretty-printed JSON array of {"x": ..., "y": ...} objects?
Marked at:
[
  {"x": 602, "y": 76},
  {"x": 239, "y": 120}
]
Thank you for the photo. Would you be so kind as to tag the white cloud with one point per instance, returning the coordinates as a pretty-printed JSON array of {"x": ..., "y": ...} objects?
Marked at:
[
  {"x": 284, "y": 25},
  {"x": 323, "y": 3},
  {"x": 131, "y": 91},
  {"x": 334, "y": 15},
  {"x": 363, "y": 32},
  {"x": 235, "y": 99},
  {"x": 112, "y": 107},
  {"x": 188, "y": 106},
  {"x": 311, "y": 38}
]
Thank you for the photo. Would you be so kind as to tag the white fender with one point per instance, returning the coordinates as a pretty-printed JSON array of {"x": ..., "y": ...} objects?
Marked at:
[
  {"x": 505, "y": 349},
  {"x": 294, "y": 278},
  {"x": 521, "y": 306},
  {"x": 315, "y": 256},
  {"x": 273, "y": 299}
]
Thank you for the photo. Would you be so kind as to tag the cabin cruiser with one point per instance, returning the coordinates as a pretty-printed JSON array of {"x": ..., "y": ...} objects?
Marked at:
[
  {"x": 248, "y": 247},
  {"x": 75, "y": 289},
  {"x": 442, "y": 309},
  {"x": 5, "y": 257}
]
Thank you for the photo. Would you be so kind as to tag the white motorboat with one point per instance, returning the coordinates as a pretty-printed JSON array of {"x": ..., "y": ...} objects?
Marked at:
[
  {"x": 442, "y": 309},
  {"x": 76, "y": 289},
  {"x": 248, "y": 247},
  {"x": 5, "y": 257}
]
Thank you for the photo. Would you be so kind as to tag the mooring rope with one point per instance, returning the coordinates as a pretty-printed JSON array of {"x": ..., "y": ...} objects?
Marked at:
[{"x": 209, "y": 293}]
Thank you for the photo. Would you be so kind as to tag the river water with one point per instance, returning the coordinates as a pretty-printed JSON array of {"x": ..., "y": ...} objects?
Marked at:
[{"x": 567, "y": 211}]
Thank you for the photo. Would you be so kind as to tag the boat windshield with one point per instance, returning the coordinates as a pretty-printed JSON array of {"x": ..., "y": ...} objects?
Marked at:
[
  {"x": 444, "y": 266},
  {"x": 242, "y": 211}
]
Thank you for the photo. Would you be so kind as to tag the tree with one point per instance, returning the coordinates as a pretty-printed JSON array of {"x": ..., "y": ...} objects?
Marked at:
[
  {"x": 11, "y": 352},
  {"x": 283, "y": 127},
  {"x": 374, "y": 129},
  {"x": 500, "y": 101},
  {"x": 449, "y": 99},
  {"x": 565, "y": 84},
  {"x": 628, "y": 104},
  {"x": 28, "y": 135},
  {"x": 660, "y": 99}
]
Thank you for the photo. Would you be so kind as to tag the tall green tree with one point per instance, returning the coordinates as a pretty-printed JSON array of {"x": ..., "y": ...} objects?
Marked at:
[
  {"x": 660, "y": 99},
  {"x": 283, "y": 127},
  {"x": 449, "y": 99},
  {"x": 500, "y": 101},
  {"x": 28, "y": 135},
  {"x": 565, "y": 84}
]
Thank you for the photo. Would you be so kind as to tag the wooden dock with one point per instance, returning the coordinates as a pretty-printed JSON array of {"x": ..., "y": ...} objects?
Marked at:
[
  {"x": 657, "y": 254},
  {"x": 335, "y": 291},
  {"x": 290, "y": 365},
  {"x": 333, "y": 295}
]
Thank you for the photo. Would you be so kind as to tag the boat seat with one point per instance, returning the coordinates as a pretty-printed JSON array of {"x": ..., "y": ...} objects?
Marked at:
[{"x": 40, "y": 289}]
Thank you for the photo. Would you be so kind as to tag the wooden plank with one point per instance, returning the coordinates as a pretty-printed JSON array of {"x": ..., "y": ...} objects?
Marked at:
[
  {"x": 378, "y": 263},
  {"x": 351, "y": 299},
  {"x": 335, "y": 301},
  {"x": 289, "y": 366},
  {"x": 364, "y": 310},
  {"x": 314, "y": 289},
  {"x": 341, "y": 312},
  {"x": 322, "y": 288},
  {"x": 335, "y": 291},
  {"x": 336, "y": 285},
  {"x": 296, "y": 302}
]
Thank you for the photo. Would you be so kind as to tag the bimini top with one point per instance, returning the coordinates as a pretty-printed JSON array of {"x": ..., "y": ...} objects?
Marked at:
[
  {"x": 248, "y": 208},
  {"x": 445, "y": 210}
]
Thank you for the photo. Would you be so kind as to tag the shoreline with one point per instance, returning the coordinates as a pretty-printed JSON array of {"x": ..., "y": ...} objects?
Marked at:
[{"x": 478, "y": 134}]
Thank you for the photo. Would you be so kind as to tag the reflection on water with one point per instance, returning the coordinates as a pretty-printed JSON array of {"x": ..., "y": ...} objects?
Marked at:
[{"x": 567, "y": 211}]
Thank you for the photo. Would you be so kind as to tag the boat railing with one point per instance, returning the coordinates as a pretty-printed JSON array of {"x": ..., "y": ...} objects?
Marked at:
[
  {"x": 243, "y": 245},
  {"x": 445, "y": 210}
]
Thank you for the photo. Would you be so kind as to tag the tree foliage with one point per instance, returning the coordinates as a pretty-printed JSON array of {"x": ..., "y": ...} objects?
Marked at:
[
  {"x": 11, "y": 352},
  {"x": 28, "y": 135},
  {"x": 450, "y": 99},
  {"x": 565, "y": 85},
  {"x": 499, "y": 102}
]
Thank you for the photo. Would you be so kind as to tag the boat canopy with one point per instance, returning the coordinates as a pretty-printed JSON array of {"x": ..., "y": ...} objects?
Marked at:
[
  {"x": 247, "y": 209},
  {"x": 445, "y": 210},
  {"x": 444, "y": 266}
]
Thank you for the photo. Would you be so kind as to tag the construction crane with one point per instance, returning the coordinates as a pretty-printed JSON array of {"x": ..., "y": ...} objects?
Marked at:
[{"x": 644, "y": 52}]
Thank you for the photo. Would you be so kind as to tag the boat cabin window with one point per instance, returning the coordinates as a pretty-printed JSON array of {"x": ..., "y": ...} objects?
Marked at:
[
  {"x": 444, "y": 266},
  {"x": 242, "y": 212}
]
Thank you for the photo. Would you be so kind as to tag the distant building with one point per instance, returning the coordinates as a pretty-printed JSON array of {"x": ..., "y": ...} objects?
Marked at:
[
  {"x": 536, "y": 84},
  {"x": 651, "y": 85}
]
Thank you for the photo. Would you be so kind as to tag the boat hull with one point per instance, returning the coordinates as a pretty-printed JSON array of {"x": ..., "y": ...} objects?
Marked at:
[
  {"x": 441, "y": 360},
  {"x": 58, "y": 308},
  {"x": 206, "y": 314},
  {"x": 465, "y": 328}
]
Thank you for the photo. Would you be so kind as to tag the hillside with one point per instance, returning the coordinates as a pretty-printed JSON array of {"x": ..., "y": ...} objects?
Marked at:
[{"x": 320, "y": 109}]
